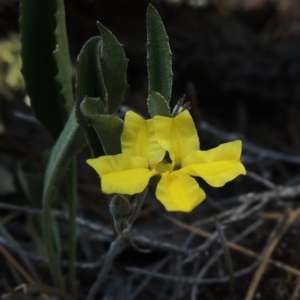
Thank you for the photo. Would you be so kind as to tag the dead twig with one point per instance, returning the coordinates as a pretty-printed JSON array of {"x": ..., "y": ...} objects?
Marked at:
[
  {"x": 10, "y": 217},
  {"x": 214, "y": 258},
  {"x": 145, "y": 282},
  {"x": 20, "y": 269},
  {"x": 193, "y": 280},
  {"x": 109, "y": 257},
  {"x": 17, "y": 266},
  {"x": 296, "y": 292},
  {"x": 267, "y": 183},
  {"x": 233, "y": 246},
  {"x": 265, "y": 197},
  {"x": 285, "y": 223},
  {"x": 260, "y": 152}
]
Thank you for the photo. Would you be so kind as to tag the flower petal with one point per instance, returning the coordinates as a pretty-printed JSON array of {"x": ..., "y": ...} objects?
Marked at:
[
  {"x": 178, "y": 191},
  {"x": 122, "y": 173},
  {"x": 138, "y": 139},
  {"x": 216, "y": 166},
  {"x": 177, "y": 135}
]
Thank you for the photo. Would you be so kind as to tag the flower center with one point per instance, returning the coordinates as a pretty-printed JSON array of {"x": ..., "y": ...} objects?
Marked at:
[{"x": 163, "y": 167}]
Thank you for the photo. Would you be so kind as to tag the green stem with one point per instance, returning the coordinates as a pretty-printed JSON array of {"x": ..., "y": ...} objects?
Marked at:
[
  {"x": 137, "y": 205},
  {"x": 48, "y": 222},
  {"x": 72, "y": 205}
]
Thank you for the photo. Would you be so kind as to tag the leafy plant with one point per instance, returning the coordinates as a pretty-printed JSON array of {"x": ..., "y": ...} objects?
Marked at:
[{"x": 89, "y": 118}]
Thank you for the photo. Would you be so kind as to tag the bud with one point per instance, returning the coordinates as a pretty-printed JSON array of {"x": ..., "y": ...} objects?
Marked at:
[{"x": 120, "y": 208}]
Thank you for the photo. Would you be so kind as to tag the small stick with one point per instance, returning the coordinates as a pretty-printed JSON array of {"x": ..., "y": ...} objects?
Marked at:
[
  {"x": 267, "y": 183},
  {"x": 285, "y": 223},
  {"x": 20, "y": 269},
  {"x": 111, "y": 254},
  {"x": 262, "y": 153},
  {"x": 296, "y": 292},
  {"x": 234, "y": 246}
]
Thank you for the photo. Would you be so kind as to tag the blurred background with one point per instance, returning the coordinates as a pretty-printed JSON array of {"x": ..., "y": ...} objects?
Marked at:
[{"x": 237, "y": 60}]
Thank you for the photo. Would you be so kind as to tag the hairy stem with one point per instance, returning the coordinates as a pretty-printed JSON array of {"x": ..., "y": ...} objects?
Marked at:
[{"x": 115, "y": 246}]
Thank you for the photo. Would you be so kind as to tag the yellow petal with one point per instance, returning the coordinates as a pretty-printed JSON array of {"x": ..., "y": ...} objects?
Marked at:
[
  {"x": 178, "y": 191},
  {"x": 138, "y": 139},
  {"x": 122, "y": 173},
  {"x": 216, "y": 166},
  {"x": 177, "y": 135}
]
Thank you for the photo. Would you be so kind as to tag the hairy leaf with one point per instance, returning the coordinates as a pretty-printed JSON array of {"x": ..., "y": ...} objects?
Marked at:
[
  {"x": 157, "y": 105},
  {"x": 89, "y": 82},
  {"x": 108, "y": 127},
  {"x": 159, "y": 56},
  {"x": 69, "y": 143},
  {"x": 62, "y": 57},
  {"x": 50, "y": 103},
  {"x": 114, "y": 67}
]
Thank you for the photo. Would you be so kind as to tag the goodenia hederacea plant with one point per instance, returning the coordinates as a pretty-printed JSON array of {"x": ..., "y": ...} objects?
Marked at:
[
  {"x": 144, "y": 146},
  {"x": 100, "y": 88},
  {"x": 132, "y": 151},
  {"x": 146, "y": 143}
]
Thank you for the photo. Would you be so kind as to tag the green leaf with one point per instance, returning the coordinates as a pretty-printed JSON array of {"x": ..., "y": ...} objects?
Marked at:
[
  {"x": 89, "y": 82},
  {"x": 62, "y": 57},
  {"x": 159, "y": 56},
  {"x": 157, "y": 105},
  {"x": 108, "y": 127},
  {"x": 114, "y": 67},
  {"x": 37, "y": 26},
  {"x": 92, "y": 106},
  {"x": 69, "y": 143}
]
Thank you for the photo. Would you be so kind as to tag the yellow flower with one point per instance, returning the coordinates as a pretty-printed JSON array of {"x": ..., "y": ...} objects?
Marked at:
[{"x": 145, "y": 144}]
